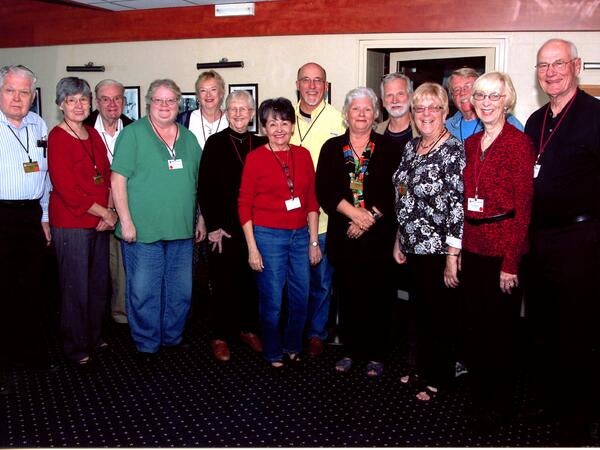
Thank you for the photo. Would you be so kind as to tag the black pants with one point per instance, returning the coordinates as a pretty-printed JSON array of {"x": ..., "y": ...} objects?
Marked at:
[
  {"x": 435, "y": 310},
  {"x": 491, "y": 319},
  {"x": 234, "y": 302},
  {"x": 366, "y": 292},
  {"x": 22, "y": 254},
  {"x": 564, "y": 309}
]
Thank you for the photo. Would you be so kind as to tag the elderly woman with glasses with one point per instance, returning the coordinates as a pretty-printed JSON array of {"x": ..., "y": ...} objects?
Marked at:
[
  {"x": 81, "y": 215},
  {"x": 155, "y": 172},
  {"x": 234, "y": 304},
  {"x": 354, "y": 186},
  {"x": 498, "y": 182},
  {"x": 429, "y": 196},
  {"x": 279, "y": 213}
]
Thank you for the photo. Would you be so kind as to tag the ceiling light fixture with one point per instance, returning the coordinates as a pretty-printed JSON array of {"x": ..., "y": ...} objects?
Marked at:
[
  {"x": 223, "y": 63},
  {"x": 89, "y": 67}
]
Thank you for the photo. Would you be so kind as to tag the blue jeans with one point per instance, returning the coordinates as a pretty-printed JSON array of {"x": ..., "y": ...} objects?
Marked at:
[
  {"x": 158, "y": 291},
  {"x": 286, "y": 265},
  {"x": 320, "y": 295}
]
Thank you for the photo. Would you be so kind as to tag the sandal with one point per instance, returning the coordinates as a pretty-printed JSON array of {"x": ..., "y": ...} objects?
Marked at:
[
  {"x": 343, "y": 365},
  {"x": 276, "y": 365},
  {"x": 374, "y": 369},
  {"x": 428, "y": 393},
  {"x": 409, "y": 378}
]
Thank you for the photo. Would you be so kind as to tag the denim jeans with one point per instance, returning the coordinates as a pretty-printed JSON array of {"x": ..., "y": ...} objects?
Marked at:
[
  {"x": 320, "y": 295},
  {"x": 286, "y": 265},
  {"x": 158, "y": 291}
]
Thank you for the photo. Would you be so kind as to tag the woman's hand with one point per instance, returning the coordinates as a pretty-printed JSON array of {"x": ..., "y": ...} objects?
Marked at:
[
  {"x": 398, "y": 255},
  {"x": 508, "y": 281},
  {"x": 451, "y": 270},
  {"x": 255, "y": 260},
  {"x": 314, "y": 255},
  {"x": 362, "y": 218},
  {"x": 128, "y": 232},
  {"x": 354, "y": 231},
  {"x": 216, "y": 239},
  {"x": 200, "y": 233}
]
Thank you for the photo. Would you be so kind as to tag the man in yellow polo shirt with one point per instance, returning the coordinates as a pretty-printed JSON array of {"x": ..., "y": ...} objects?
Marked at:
[{"x": 316, "y": 122}]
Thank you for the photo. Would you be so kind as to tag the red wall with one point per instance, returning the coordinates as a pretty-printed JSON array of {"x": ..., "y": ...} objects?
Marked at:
[{"x": 26, "y": 23}]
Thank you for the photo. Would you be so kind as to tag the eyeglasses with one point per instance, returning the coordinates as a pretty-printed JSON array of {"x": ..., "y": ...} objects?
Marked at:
[
  {"x": 21, "y": 93},
  {"x": 72, "y": 101},
  {"x": 164, "y": 101},
  {"x": 431, "y": 109},
  {"x": 494, "y": 96},
  {"x": 242, "y": 110},
  {"x": 558, "y": 65},
  {"x": 457, "y": 90},
  {"x": 315, "y": 81},
  {"x": 108, "y": 100}
]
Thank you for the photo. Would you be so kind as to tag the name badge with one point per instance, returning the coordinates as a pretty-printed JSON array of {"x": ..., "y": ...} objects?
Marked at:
[
  {"x": 536, "y": 170},
  {"x": 356, "y": 185},
  {"x": 292, "y": 203},
  {"x": 30, "y": 167},
  {"x": 175, "y": 164},
  {"x": 475, "y": 204}
]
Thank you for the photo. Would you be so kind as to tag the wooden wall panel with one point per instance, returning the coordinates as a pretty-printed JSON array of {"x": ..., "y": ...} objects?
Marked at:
[{"x": 34, "y": 22}]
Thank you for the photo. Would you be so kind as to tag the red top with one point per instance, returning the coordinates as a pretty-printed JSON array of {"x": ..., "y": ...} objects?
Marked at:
[
  {"x": 264, "y": 189},
  {"x": 504, "y": 181},
  {"x": 71, "y": 167}
]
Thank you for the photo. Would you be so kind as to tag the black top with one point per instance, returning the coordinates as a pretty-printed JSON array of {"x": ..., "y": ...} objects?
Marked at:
[
  {"x": 91, "y": 119},
  {"x": 568, "y": 182},
  {"x": 220, "y": 176},
  {"x": 399, "y": 139},
  {"x": 333, "y": 185}
]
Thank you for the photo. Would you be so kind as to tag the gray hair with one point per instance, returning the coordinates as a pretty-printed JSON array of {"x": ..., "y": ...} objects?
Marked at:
[
  {"x": 241, "y": 95},
  {"x": 464, "y": 72},
  {"x": 361, "y": 92},
  {"x": 70, "y": 86},
  {"x": 207, "y": 75},
  {"x": 19, "y": 70},
  {"x": 108, "y": 82},
  {"x": 572, "y": 48},
  {"x": 164, "y": 82},
  {"x": 492, "y": 80},
  {"x": 396, "y": 76}
]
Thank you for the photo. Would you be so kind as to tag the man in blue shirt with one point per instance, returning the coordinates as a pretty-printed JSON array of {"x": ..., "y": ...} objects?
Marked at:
[{"x": 24, "y": 228}]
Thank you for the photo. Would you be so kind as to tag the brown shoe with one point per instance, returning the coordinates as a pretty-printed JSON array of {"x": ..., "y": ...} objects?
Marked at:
[
  {"x": 252, "y": 341},
  {"x": 315, "y": 347},
  {"x": 220, "y": 350}
]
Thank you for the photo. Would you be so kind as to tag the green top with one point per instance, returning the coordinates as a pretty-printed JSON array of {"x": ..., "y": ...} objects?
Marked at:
[{"x": 162, "y": 202}]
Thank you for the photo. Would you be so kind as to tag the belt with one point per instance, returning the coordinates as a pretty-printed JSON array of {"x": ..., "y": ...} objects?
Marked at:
[
  {"x": 19, "y": 203},
  {"x": 491, "y": 219},
  {"x": 557, "y": 222}
]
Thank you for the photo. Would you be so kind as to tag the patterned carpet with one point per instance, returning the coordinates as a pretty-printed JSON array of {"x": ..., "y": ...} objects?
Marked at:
[{"x": 187, "y": 399}]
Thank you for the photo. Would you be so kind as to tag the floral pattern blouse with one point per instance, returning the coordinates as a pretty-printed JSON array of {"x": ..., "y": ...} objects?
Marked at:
[{"x": 429, "y": 198}]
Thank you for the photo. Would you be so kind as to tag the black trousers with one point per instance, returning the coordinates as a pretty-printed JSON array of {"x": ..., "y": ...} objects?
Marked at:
[
  {"x": 435, "y": 310},
  {"x": 234, "y": 300},
  {"x": 491, "y": 319},
  {"x": 366, "y": 292},
  {"x": 564, "y": 309},
  {"x": 22, "y": 254}
]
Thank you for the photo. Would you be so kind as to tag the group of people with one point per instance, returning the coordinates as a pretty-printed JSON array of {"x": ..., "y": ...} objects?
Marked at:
[{"x": 482, "y": 213}]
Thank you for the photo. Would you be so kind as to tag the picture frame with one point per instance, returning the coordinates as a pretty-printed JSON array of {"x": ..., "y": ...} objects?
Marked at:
[
  {"x": 36, "y": 106},
  {"x": 131, "y": 107},
  {"x": 188, "y": 102},
  {"x": 252, "y": 89}
]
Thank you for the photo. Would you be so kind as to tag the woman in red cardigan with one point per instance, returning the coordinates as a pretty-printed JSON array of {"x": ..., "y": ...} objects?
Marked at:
[
  {"x": 279, "y": 212},
  {"x": 80, "y": 217},
  {"x": 498, "y": 180}
]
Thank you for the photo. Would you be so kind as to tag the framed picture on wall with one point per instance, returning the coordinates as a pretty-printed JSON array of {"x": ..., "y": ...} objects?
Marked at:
[
  {"x": 188, "y": 102},
  {"x": 251, "y": 88},
  {"x": 36, "y": 107},
  {"x": 132, "y": 102}
]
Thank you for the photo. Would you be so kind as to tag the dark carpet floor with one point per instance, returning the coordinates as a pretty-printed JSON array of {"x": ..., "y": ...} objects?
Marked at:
[{"x": 186, "y": 398}]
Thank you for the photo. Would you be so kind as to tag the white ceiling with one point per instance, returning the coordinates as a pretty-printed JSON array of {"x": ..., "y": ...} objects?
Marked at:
[{"x": 127, "y": 5}]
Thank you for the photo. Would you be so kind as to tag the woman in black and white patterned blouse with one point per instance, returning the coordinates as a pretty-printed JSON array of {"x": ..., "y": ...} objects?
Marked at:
[{"x": 429, "y": 196}]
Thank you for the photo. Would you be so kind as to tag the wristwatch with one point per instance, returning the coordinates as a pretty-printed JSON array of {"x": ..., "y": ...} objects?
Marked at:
[{"x": 315, "y": 243}]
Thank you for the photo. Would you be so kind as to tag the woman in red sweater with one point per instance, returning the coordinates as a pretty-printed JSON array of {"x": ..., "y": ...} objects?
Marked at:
[
  {"x": 498, "y": 180},
  {"x": 279, "y": 212},
  {"x": 80, "y": 217}
]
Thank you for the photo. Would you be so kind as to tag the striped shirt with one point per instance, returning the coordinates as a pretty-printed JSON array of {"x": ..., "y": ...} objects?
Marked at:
[{"x": 15, "y": 183}]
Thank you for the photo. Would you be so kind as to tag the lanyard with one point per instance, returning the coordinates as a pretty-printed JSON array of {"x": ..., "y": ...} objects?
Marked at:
[
  {"x": 237, "y": 152},
  {"x": 310, "y": 127},
  {"x": 472, "y": 132},
  {"x": 542, "y": 144},
  {"x": 20, "y": 142},
  {"x": 285, "y": 169},
  {"x": 90, "y": 154},
  {"x": 210, "y": 131},
  {"x": 171, "y": 151}
]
